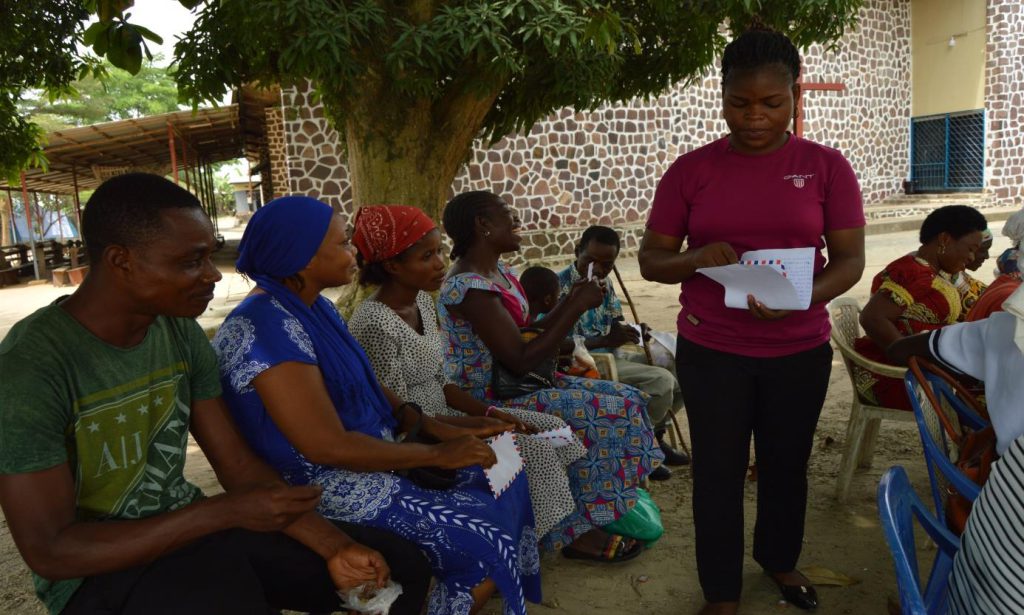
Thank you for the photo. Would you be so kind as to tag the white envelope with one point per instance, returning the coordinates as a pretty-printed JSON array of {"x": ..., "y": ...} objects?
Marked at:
[
  {"x": 509, "y": 465},
  {"x": 780, "y": 279}
]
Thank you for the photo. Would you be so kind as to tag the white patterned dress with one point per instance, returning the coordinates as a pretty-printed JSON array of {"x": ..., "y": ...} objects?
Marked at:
[{"x": 412, "y": 365}]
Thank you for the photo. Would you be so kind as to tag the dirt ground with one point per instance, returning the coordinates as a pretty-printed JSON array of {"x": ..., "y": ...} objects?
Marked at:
[{"x": 842, "y": 538}]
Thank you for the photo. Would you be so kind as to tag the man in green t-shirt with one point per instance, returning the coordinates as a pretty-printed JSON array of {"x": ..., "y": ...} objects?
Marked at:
[{"x": 98, "y": 395}]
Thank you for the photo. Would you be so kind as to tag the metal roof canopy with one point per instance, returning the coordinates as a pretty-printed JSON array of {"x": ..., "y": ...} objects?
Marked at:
[{"x": 81, "y": 158}]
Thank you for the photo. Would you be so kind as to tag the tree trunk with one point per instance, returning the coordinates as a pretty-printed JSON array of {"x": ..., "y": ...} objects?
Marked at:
[
  {"x": 407, "y": 153},
  {"x": 6, "y": 215}
]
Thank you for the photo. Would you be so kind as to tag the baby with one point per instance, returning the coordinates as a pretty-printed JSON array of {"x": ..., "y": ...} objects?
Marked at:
[{"x": 542, "y": 290}]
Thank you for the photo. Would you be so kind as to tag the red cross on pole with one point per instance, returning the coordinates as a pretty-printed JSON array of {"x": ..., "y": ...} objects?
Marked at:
[{"x": 798, "y": 120}]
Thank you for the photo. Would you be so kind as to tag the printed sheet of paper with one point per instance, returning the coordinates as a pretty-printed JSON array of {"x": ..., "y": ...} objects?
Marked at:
[
  {"x": 558, "y": 438},
  {"x": 780, "y": 279},
  {"x": 509, "y": 465}
]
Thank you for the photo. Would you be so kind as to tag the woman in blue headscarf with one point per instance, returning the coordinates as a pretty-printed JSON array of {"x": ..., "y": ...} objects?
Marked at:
[{"x": 304, "y": 395}]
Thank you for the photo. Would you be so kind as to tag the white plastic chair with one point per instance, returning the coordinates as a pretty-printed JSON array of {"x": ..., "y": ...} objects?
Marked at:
[{"x": 865, "y": 419}]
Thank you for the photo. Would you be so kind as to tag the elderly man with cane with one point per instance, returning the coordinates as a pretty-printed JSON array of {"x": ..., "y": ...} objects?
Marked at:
[{"x": 603, "y": 330}]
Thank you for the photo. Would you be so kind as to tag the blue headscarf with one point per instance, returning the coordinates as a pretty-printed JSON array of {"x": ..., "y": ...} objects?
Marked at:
[{"x": 279, "y": 241}]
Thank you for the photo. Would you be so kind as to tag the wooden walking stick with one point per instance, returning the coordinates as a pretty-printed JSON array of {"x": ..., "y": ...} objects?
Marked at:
[
  {"x": 636, "y": 319},
  {"x": 677, "y": 434}
]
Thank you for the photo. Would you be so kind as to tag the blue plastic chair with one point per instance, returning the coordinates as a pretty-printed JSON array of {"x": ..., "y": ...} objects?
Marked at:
[
  {"x": 938, "y": 450},
  {"x": 898, "y": 505}
]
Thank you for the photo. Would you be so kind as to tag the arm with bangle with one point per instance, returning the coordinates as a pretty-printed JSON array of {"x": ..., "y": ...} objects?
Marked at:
[
  {"x": 462, "y": 401},
  {"x": 409, "y": 414}
]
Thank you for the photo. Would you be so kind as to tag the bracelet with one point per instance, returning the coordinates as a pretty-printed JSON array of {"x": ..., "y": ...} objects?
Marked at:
[{"x": 491, "y": 409}]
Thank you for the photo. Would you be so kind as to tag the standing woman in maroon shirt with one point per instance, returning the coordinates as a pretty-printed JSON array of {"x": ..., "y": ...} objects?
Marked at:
[{"x": 754, "y": 371}]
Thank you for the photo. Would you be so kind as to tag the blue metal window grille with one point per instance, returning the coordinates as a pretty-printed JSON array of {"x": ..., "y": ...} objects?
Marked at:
[{"x": 947, "y": 152}]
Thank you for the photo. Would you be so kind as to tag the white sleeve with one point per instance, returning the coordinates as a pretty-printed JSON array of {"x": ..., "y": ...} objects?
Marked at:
[{"x": 961, "y": 347}]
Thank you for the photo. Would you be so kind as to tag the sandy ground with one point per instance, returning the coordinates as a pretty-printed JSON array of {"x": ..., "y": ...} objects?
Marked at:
[{"x": 842, "y": 538}]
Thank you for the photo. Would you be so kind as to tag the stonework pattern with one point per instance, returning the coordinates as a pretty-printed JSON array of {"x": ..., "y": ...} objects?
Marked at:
[
  {"x": 572, "y": 170},
  {"x": 1004, "y": 99},
  {"x": 315, "y": 153},
  {"x": 275, "y": 183}
]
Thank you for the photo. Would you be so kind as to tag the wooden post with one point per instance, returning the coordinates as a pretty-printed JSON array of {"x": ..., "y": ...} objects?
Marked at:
[
  {"x": 60, "y": 223},
  {"x": 174, "y": 154},
  {"x": 248, "y": 188},
  {"x": 212, "y": 191},
  {"x": 184, "y": 163},
  {"x": 7, "y": 219},
  {"x": 28, "y": 218},
  {"x": 78, "y": 203}
]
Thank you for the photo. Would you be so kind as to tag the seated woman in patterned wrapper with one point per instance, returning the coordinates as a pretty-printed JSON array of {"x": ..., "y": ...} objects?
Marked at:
[
  {"x": 305, "y": 397},
  {"x": 914, "y": 294},
  {"x": 482, "y": 308}
]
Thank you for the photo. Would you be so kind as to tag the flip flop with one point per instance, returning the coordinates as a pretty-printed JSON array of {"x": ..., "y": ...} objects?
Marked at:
[{"x": 617, "y": 549}]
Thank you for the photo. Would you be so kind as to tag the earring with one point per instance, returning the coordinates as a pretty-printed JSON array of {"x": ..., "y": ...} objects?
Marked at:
[
  {"x": 942, "y": 248},
  {"x": 487, "y": 233}
]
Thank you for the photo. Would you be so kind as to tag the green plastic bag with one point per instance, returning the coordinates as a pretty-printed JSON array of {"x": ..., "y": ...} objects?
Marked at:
[{"x": 642, "y": 523}]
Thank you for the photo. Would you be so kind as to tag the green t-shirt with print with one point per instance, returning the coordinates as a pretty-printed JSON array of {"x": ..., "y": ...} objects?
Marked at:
[{"x": 118, "y": 416}]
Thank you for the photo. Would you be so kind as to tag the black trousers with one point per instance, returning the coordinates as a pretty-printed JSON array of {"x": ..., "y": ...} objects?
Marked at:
[
  {"x": 729, "y": 397},
  {"x": 246, "y": 573}
]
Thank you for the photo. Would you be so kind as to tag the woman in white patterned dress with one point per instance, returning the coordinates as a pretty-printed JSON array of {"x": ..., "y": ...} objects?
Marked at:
[{"x": 398, "y": 329}]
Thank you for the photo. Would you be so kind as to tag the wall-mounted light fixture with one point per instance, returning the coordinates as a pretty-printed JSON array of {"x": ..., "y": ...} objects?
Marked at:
[{"x": 952, "y": 38}]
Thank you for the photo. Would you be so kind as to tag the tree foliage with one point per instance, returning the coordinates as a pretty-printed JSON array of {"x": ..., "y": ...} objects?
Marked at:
[
  {"x": 470, "y": 67},
  {"x": 538, "y": 55},
  {"x": 118, "y": 96},
  {"x": 38, "y": 51}
]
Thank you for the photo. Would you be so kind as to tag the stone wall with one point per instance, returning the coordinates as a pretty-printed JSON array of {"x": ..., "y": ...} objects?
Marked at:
[
  {"x": 869, "y": 121},
  {"x": 275, "y": 183},
  {"x": 315, "y": 154},
  {"x": 602, "y": 167},
  {"x": 1004, "y": 97}
]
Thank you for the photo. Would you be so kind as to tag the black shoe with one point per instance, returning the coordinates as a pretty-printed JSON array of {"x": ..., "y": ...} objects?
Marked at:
[
  {"x": 660, "y": 473},
  {"x": 672, "y": 456},
  {"x": 801, "y": 596}
]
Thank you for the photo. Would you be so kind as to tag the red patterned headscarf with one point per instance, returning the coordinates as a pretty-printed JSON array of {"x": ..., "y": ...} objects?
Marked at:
[{"x": 385, "y": 231}]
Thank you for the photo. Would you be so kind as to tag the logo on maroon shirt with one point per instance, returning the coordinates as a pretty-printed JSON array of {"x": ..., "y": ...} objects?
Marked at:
[{"x": 799, "y": 181}]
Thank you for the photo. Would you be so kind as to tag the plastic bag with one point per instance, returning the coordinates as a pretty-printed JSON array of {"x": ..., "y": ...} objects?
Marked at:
[
  {"x": 642, "y": 523},
  {"x": 367, "y": 599},
  {"x": 580, "y": 354},
  {"x": 583, "y": 364}
]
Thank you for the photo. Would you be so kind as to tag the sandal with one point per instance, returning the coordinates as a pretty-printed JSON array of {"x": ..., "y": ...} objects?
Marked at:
[{"x": 616, "y": 549}]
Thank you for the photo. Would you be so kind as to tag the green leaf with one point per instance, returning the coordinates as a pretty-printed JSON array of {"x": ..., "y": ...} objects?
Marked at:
[
  {"x": 149, "y": 34},
  {"x": 133, "y": 59},
  {"x": 94, "y": 32},
  {"x": 109, "y": 9}
]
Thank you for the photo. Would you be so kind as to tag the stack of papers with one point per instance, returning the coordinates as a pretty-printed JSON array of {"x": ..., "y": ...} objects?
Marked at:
[{"x": 780, "y": 279}]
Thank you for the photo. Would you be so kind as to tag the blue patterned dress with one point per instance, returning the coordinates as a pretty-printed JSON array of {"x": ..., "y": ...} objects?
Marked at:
[
  {"x": 465, "y": 532},
  {"x": 610, "y": 418}
]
